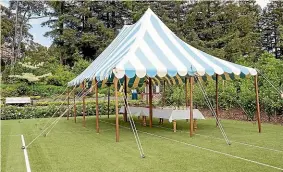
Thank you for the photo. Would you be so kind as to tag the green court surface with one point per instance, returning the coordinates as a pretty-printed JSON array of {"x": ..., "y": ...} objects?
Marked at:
[{"x": 71, "y": 147}]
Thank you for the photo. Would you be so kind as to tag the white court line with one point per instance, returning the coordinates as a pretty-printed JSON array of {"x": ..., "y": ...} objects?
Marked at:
[
  {"x": 25, "y": 154},
  {"x": 246, "y": 144},
  {"x": 207, "y": 149}
]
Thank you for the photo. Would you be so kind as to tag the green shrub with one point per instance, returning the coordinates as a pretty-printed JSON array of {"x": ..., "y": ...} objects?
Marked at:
[{"x": 49, "y": 108}]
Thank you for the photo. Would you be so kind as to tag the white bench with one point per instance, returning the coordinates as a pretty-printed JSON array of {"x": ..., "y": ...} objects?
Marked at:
[{"x": 17, "y": 100}]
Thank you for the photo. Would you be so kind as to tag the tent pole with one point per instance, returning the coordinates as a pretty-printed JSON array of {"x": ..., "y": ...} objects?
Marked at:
[
  {"x": 96, "y": 106},
  {"x": 84, "y": 104},
  {"x": 75, "y": 107},
  {"x": 257, "y": 104},
  {"x": 163, "y": 95},
  {"x": 150, "y": 102},
  {"x": 108, "y": 101},
  {"x": 186, "y": 94},
  {"x": 117, "y": 110},
  {"x": 191, "y": 107},
  {"x": 125, "y": 92},
  {"x": 216, "y": 97},
  {"x": 68, "y": 102},
  {"x": 146, "y": 92}
]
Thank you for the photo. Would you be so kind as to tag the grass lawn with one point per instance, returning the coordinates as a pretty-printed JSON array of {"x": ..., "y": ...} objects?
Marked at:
[{"x": 71, "y": 147}]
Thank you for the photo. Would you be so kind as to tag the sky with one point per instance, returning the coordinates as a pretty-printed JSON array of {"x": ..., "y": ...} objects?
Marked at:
[{"x": 38, "y": 31}]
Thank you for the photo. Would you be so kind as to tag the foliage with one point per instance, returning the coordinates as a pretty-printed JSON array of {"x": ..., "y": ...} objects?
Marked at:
[
  {"x": 47, "y": 109},
  {"x": 80, "y": 66},
  {"x": 23, "y": 89}
]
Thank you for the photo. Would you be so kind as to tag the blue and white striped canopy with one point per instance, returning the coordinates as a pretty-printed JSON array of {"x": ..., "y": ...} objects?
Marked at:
[{"x": 150, "y": 49}]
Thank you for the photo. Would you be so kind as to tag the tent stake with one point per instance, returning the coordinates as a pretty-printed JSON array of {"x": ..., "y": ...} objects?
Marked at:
[
  {"x": 257, "y": 104},
  {"x": 75, "y": 107},
  {"x": 150, "y": 102},
  {"x": 191, "y": 107},
  {"x": 117, "y": 110},
  {"x": 125, "y": 91},
  {"x": 96, "y": 106},
  {"x": 216, "y": 98}
]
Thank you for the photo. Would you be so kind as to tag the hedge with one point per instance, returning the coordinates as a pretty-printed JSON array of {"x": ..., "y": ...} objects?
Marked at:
[{"x": 26, "y": 112}]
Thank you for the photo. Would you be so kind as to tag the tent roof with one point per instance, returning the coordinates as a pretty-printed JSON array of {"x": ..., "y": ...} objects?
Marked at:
[{"x": 149, "y": 48}]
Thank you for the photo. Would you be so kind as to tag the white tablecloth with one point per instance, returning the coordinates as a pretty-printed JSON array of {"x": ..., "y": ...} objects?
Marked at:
[{"x": 170, "y": 114}]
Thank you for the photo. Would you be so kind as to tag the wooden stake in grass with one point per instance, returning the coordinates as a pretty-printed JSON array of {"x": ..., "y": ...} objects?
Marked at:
[
  {"x": 257, "y": 105},
  {"x": 116, "y": 109},
  {"x": 96, "y": 105}
]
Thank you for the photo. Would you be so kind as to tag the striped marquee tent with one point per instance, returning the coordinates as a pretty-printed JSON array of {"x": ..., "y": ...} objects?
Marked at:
[{"x": 149, "y": 50}]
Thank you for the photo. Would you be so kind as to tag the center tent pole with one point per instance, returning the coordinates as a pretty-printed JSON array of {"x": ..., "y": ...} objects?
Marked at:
[
  {"x": 191, "y": 107},
  {"x": 96, "y": 105},
  {"x": 84, "y": 108},
  {"x": 216, "y": 97},
  {"x": 125, "y": 91},
  {"x": 150, "y": 102},
  {"x": 116, "y": 108}
]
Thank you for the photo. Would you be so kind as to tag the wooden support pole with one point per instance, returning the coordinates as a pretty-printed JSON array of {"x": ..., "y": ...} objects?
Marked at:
[
  {"x": 68, "y": 103},
  {"x": 257, "y": 105},
  {"x": 216, "y": 98},
  {"x": 144, "y": 120},
  {"x": 117, "y": 110},
  {"x": 195, "y": 124},
  {"x": 186, "y": 95},
  {"x": 150, "y": 102},
  {"x": 174, "y": 126},
  {"x": 186, "y": 92},
  {"x": 75, "y": 107},
  {"x": 96, "y": 106},
  {"x": 84, "y": 109},
  {"x": 191, "y": 107},
  {"x": 163, "y": 95},
  {"x": 108, "y": 103},
  {"x": 146, "y": 92},
  {"x": 125, "y": 92}
]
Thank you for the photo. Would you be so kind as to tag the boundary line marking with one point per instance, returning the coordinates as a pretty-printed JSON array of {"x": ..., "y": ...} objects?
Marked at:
[
  {"x": 203, "y": 148},
  {"x": 217, "y": 138},
  {"x": 25, "y": 153}
]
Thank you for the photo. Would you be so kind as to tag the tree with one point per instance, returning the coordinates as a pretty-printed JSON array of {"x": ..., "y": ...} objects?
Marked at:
[{"x": 272, "y": 27}]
